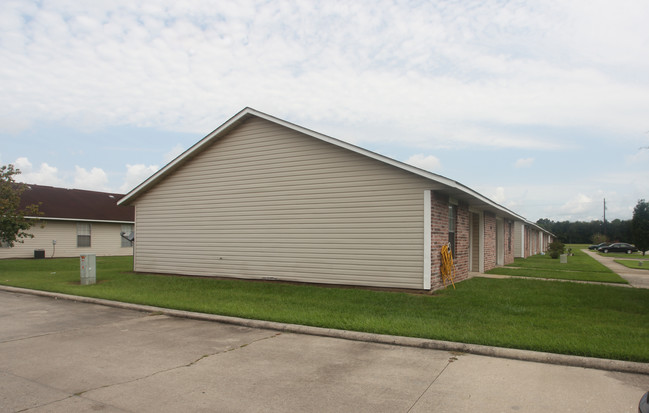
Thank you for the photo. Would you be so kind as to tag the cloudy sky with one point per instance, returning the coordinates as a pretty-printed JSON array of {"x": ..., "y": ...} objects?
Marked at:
[{"x": 543, "y": 106}]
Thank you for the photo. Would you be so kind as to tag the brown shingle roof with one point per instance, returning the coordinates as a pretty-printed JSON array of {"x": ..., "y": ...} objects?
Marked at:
[{"x": 77, "y": 204}]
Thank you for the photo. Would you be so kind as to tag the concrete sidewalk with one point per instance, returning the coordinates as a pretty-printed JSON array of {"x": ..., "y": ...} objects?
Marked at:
[
  {"x": 637, "y": 278},
  {"x": 67, "y": 356}
]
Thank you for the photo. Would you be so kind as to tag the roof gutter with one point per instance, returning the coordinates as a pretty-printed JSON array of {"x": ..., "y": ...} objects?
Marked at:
[{"x": 106, "y": 221}]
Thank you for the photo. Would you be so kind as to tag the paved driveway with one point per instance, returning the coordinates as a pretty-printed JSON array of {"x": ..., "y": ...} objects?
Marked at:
[
  {"x": 637, "y": 278},
  {"x": 65, "y": 356}
]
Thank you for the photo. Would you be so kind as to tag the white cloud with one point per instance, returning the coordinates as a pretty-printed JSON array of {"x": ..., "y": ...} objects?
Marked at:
[
  {"x": 449, "y": 72},
  {"x": 418, "y": 76},
  {"x": 23, "y": 164},
  {"x": 641, "y": 157},
  {"x": 577, "y": 204},
  {"x": 499, "y": 195},
  {"x": 427, "y": 162},
  {"x": 135, "y": 175},
  {"x": 13, "y": 125},
  {"x": 95, "y": 179},
  {"x": 524, "y": 163},
  {"x": 173, "y": 153},
  {"x": 44, "y": 175}
]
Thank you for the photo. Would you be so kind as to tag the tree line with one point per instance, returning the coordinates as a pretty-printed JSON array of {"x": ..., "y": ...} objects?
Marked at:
[
  {"x": 581, "y": 232},
  {"x": 634, "y": 231}
]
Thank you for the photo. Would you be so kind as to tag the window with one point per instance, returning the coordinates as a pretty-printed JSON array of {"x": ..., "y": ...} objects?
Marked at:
[
  {"x": 83, "y": 234},
  {"x": 127, "y": 230},
  {"x": 4, "y": 244},
  {"x": 452, "y": 212}
]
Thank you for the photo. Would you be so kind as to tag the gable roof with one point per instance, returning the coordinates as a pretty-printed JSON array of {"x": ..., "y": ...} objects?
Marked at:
[
  {"x": 76, "y": 204},
  {"x": 438, "y": 182}
]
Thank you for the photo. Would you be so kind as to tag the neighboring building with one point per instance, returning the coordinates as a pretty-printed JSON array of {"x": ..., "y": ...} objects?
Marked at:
[
  {"x": 262, "y": 198},
  {"x": 74, "y": 222},
  {"x": 530, "y": 239}
]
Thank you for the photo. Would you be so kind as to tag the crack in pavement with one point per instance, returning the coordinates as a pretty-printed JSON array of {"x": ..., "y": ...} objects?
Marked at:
[
  {"x": 75, "y": 329},
  {"x": 190, "y": 364},
  {"x": 450, "y": 360},
  {"x": 66, "y": 398}
]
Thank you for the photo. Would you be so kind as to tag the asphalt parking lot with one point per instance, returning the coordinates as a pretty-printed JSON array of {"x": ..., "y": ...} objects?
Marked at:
[{"x": 65, "y": 356}]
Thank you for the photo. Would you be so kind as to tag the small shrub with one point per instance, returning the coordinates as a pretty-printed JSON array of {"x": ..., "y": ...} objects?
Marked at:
[{"x": 555, "y": 249}]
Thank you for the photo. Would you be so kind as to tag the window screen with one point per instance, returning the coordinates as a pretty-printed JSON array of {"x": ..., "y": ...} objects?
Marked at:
[
  {"x": 127, "y": 229},
  {"x": 83, "y": 234}
]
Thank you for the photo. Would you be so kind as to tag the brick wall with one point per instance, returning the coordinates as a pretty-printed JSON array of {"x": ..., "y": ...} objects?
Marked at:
[
  {"x": 439, "y": 238},
  {"x": 462, "y": 243},
  {"x": 439, "y": 235},
  {"x": 534, "y": 236},
  {"x": 489, "y": 241}
]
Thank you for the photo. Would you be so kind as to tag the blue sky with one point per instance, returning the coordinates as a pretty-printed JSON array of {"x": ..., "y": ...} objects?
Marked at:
[{"x": 542, "y": 106}]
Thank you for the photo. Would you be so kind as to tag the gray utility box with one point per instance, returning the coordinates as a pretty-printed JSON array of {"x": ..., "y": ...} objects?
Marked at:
[
  {"x": 88, "y": 269},
  {"x": 563, "y": 258}
]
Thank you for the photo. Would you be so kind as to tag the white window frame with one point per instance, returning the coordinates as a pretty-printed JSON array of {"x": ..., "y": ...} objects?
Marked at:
[{"x": 82, "y": 232}]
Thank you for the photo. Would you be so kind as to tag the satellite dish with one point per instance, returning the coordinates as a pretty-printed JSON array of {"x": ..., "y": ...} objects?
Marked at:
[{"x": 130, "y": 236}]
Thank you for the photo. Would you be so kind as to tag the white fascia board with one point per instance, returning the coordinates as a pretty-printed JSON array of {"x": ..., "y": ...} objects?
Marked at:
[
  {"x": 181, "y": 158},
  {"x": 428, "y": 240},
  {"x": 106, "y": 221},
  {"x": 247, "y": 112}
]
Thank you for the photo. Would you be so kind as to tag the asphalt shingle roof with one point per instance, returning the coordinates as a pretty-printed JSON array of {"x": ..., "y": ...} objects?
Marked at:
[{"x": 77, "y": 204}]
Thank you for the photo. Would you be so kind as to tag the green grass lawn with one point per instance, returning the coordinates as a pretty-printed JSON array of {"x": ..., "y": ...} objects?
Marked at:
[
  {"x": 635, "y": 264},
  {"x": 579, "y": 319},
  {"x": 580, "y": 267}
]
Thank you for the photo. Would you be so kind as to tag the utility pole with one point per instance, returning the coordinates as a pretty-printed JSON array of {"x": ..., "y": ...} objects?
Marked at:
[{"x": 604, "y": 216}]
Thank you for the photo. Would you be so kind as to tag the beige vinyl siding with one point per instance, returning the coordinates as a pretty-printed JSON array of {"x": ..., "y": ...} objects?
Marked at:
[
  {"x": 518, "y": 240},
  {"x": 268, "y": 202},
  {"x": 105, "y": 240}
]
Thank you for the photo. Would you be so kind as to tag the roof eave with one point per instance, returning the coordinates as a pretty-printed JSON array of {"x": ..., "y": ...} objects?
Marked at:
[
  {"x": 179, "y": 160},
  {"x": 247, "y": 112},
  {"x": 105, "y": 221}
]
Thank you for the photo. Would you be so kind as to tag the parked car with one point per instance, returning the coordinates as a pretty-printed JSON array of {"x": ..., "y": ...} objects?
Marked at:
[
  {"x": 596, "y": 246},
  {"x": 618, "y": 247}
]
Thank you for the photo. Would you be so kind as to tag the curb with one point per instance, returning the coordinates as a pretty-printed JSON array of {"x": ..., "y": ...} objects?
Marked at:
[
  {"x": 499, "y": 352},
  {"x": 520, "y": 277}
]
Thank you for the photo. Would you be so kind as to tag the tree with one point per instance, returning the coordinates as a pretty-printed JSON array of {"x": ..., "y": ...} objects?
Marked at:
[
  {"x": 13, "y": 224},
  {"x": 556, "y": 248},
  {"x": 640, "y": 226},
  {"x": 598, "y": 238},
  {"x": 580, "y": 232}
]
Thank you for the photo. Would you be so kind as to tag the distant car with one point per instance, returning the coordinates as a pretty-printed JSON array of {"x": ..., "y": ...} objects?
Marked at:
[
  {"x": 595, "y": 247},
  {"x": 618, "y": 247}
]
